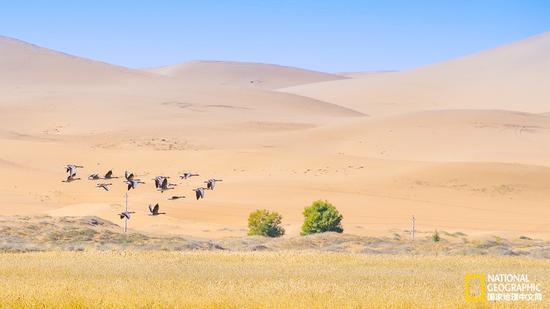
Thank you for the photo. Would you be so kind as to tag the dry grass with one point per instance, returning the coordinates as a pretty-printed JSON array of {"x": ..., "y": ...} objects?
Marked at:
[{"x": 156, "y": 279}]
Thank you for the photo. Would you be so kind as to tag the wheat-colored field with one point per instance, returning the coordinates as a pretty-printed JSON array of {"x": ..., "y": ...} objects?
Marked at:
[{"x": 237, "y": 280}]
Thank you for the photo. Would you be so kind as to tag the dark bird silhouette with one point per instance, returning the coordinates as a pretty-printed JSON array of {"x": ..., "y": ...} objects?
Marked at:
[
  {"x": 133, "y": 183},
  {"x": 161, "y": 183},
  {"x": 175, "y": 197},
  {"x": 158, "y": 180},
  {"x": 129, "y": 176},
  {"x": 126, "y": 214},
  {"x": 109, "y": 175},
  {"x": 199, "y": 192},
  {"x": 71, "y": 168},
  {"x": 71, "y": 178},
  {"x": 94, "y": 177},
  {"x": 211, "y": 183},
  {"x": 187, "y": 175},
  {"x": 105, "y": 186},
  {"x": 166, "y": 186},
  {"x": 154, "y": 211}
]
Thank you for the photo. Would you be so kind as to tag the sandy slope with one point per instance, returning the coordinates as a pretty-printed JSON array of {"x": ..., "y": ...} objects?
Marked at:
[
  {"x": 445, "y": 135},
  {"x": 473, "y": 170},
  {"x": 27, "y": 65},
  {"x": 242, "y": 74},
  {"x": 511, "y": 77},
  {"x": 364, "y": 74}
]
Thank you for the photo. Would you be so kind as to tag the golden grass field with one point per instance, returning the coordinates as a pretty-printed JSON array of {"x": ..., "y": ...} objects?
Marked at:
[{"x": 157, "y": 279}]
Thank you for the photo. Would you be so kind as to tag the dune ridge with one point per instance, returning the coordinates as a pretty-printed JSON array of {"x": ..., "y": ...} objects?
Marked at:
[
  {"x": 242, "y": 74},
  {"x": 510, "y": 77},
  {"x": 462, "y": 145}
]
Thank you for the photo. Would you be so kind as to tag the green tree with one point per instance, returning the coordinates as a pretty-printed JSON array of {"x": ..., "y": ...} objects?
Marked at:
[
  {"x": 265, "y": 223},
  {"x": 321, "y": 217}
]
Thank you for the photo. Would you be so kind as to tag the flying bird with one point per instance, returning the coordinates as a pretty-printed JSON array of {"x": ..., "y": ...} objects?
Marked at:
[
  {"x": 211, "y": 183},
  {"x": 199, "y": 192},
  {"x": 187, "y": 175},
  {"x": 71, "y": 168},
  {"x": 71, "y": 178},
  {"x": 105, "y": 186},
  {"x": 175, "y": 197},
  {"x": 129, "y": 176},
  {"x": 109, "y": 175},
  {"x": 163, "y": 185},
  {"x": 155, "y": 210},
  {"x": 158, "y": 181},
  {"x": 133, "y": 183},
  {"x": 94, "y": 177},
  {"x": 126, "y": 214}
]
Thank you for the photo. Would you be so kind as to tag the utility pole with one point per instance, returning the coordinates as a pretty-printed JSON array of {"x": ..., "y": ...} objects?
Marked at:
[
  {"x": 413, "y": 231},
  {"x": 125, "y": 218}
]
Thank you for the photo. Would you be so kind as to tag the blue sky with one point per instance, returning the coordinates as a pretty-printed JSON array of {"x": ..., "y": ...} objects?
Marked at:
[{"x": 330, "y": 36}]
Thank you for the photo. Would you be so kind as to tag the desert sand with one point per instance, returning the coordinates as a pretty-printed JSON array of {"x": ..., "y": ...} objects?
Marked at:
[
  {"x": 462, "y": 145},
  {"x": 242, "y": 74}
]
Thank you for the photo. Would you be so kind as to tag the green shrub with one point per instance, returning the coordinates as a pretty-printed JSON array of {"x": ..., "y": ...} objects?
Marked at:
[
  {"x": 435, "y": 236},
  {"x": 265, "y": 223},
  {"x": 321, "y": 217}
]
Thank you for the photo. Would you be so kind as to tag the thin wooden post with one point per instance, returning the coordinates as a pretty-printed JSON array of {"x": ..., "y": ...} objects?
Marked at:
[
  {"x": 413, "y": 231},
  {"x": 125, "y": 218}
]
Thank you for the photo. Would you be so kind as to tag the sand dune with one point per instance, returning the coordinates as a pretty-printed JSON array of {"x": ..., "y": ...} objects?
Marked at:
[
  {"x": 364, "y": 74},
  {"x": 242, "y": 74},
  {"x": 511, "y": 77},
  {"x": 47, "y": 92},
  {"x": 445, "y": 135},
  {"x": 23, "y": 64},
  {"x": 461, "y": 145},
  {"x": 373, "y": 195}
]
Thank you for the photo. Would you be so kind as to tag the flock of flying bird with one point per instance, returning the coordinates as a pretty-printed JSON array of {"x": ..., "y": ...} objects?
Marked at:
[{"x": 161, "y": 184}]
